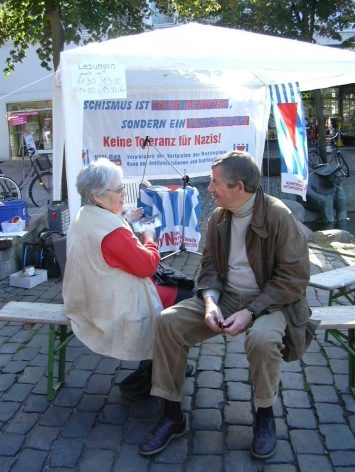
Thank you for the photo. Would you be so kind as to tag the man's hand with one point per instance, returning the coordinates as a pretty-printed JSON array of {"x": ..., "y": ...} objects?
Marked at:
[
  {"x": 237, "y": 323},
  {"x": 213, "y": 315}
]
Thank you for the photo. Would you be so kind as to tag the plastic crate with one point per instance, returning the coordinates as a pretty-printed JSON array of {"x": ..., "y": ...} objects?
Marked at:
[
  {"x": 43, "y": 162},
  {"x": 14, "y": 208},
  {"x": 271, "y": 166}
]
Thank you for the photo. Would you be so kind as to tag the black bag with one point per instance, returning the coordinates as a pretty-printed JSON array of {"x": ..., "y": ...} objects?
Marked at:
[
  {"x": 49, "y": 261},
  {"x": 166, "y": 275}
]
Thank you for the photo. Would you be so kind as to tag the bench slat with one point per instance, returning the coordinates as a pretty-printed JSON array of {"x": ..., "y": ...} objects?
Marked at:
[
  {"x": 333, "y": 279},
  {"x": 334, "y": 317},
  {"x": 32, "y": 313}
]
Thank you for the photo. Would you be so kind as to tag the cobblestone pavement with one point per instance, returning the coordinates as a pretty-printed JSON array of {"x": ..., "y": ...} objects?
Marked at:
[{"x": 89, "y": 427}]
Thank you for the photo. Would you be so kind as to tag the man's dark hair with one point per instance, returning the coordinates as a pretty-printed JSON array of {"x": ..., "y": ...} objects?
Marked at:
[{"x": 237, "y": 166}]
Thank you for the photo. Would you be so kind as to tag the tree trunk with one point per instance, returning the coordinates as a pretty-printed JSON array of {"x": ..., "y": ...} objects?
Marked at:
[{"x": 318, "y": 106}]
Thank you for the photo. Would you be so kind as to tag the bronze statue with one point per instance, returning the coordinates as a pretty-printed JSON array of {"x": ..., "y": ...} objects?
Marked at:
[{"x": 325, "y": 193}]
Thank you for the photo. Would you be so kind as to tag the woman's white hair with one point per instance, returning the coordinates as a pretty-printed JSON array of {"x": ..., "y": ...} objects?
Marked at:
[{"x": 96, "y": 178}]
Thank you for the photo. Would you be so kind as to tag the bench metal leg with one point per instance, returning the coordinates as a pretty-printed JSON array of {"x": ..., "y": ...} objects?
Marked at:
[
  {"x": 64, "y": 339},
  {"x": 349, "y": 346}
]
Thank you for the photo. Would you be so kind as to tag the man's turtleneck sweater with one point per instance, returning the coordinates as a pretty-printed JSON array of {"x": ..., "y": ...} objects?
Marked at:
[{"x": 240, "y": 275}]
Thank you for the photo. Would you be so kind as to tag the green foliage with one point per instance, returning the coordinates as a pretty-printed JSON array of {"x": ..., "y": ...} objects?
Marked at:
[
  {"x": 53, "y": 23},
  {"x": 299, "y": 19}
]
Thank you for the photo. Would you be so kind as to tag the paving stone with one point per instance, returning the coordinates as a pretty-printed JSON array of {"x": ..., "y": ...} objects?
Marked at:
[
  {"x": 55, "y": 416},
  {"x": 318, "y": 375},
  {"x": 341, "y": 383},
  {"x": 26, "y": 354},
  {"x": 31, "y": 375},
  {"x": 206, "y": 420},
  {"x": 94, "y": 461},
  {"x": 7, "y": 410},
  {"x": 349, "y": 403},
  {"x": 313, "y": 358},
  {"x": 244, "y": 459},
  {"x": 88, "y": 362},
  {"x": 208, "y": 442},
  {"x": 21, "y": 423},
  {"x": 295, "y": 399},
  {"x": 99, "y": 384},
  {"x": 104, "y": 436},
  {"x": 234, "y": 345},
  {"x": 238, "y": 413},
  {"x": 239, "y": 437},
  {"x": 114, "y": 414},
  {"x": 281, "y": 428},
  {"x": 339, "y": 366},
  {"x": 66, "y": 453},
  {"x": 108, "y": 366},
  {"x": 343, "y": 458},
  {"x": 202, "y": 464},
  {"x": 236, "y": 375},
  {"x": 77, "y": 378},
  {"x": 335, "y": 352},
  {"x": 283, "y": 454},
  {"x": 213, "y": 350},
  {"x": 42, "y": 438},
  {"x": 189, "y": 386},
  {"x": 4, "y": 359},
  {"x": 129, "y": 460},
  {"x": 68, "y": 397},
  {"x": 306, "y": 442},
  {"x": 146, "y": 409},
  {"x": 209, "y": 398},
  {"x": 18, "y": 393},
  {"x": 6, "y": 380},
  {"x": 41, "y": 360},
  {"x": 338, "y": 437},
  {"x": 177, "y": 452},
  {"x": 324, "y": 393},
  {"x": 313, "y": 463},
  {"x": 238, "y": 391},
  {"x": 6, "y": 463},
  {"x": 292, "y": 381},
  {"x": 10, "y": 348},
  {"x": 10, "y": 443},
  {"x": 36, "y": 404},
  {"x": 236, "y": 361},
  {"x": 30, "y": 461},
  {"x": 210, "y": 363},
  {"x": 294, "y": 366},
  {"x": 79, "y": 425},
  {"x": 279, "y": 468},
  {"x": 298, "y": 418},
  {"x": 14, "y": 367},
  {"x": 329, "y": 413},
  {"x": 137, "y": 431},
  {"x": 194, "y": 353},
  {"x": 209, "y": 379}
]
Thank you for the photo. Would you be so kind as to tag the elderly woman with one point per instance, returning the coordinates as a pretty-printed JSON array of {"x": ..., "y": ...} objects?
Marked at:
[{"x": 108, "y": 289}]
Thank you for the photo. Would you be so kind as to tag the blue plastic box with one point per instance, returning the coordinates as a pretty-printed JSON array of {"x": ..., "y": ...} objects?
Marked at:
[{"x": 14, "y": 208}]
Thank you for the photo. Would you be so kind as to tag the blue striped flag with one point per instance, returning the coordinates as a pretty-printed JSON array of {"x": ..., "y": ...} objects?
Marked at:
[
  {"x": 168, "y": 205},
  {"x": 290, "y": 122}
]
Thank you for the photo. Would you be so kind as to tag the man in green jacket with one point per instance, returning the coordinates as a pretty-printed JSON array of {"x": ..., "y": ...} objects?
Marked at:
[{"x": 255, "y": 271}]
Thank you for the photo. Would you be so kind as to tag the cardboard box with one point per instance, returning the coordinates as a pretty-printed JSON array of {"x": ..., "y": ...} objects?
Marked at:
[{"x": 17, "y": 279}]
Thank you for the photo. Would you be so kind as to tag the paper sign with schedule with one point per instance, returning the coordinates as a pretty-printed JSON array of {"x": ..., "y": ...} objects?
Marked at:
[{"x": 99, "y": 80}]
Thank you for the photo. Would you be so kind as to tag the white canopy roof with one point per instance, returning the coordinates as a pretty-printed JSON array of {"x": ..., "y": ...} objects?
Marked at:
[{"x": 192, "y": 56}]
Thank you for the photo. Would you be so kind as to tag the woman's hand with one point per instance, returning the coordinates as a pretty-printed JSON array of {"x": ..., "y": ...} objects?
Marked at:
[
  {"x": 149, "y": 235},
  {"x": 133, "y": 214}
]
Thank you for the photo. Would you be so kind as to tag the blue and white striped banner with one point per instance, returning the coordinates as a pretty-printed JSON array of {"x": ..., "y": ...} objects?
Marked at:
[
  {"x": 290, "y": 122},
  {"x": 168, "y": 205}
]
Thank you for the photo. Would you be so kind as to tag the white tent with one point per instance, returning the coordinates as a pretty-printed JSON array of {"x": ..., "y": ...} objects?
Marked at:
[{"x": 191, "y": 57}]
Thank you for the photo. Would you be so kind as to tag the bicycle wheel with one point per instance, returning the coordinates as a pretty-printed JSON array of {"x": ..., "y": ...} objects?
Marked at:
[
  {"x": 9, "y": 190},
  {"x": 345, "y": 168},
  {"x": 41, "y": 189},
  {"x": 314, "y": 160}
]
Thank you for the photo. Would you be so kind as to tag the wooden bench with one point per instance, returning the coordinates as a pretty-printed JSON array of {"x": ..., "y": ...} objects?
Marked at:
[
  {"x": 334, "y": 319},
  {"x": 59, "y": 336},
  {"x": 338, "y": 282}
]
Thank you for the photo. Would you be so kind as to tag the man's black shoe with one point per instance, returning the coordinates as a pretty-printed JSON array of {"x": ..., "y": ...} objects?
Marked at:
[
  {"x": 161, "y": 435},
  {"x": 265, "y": 440}
]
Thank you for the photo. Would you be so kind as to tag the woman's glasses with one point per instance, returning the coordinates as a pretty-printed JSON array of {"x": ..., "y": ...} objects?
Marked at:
[{"x": 118, "y": 190}]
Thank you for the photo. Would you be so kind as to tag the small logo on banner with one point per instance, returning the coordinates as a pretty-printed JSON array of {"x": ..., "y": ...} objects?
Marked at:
[
  {"x": 85, "y": 157},
  {"x": 241, "y": 147}
]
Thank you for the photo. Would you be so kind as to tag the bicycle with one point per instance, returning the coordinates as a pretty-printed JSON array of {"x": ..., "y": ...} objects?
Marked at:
[
  {"x": 38, "y": 176},
  {"x": 315, "y": 160}
]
